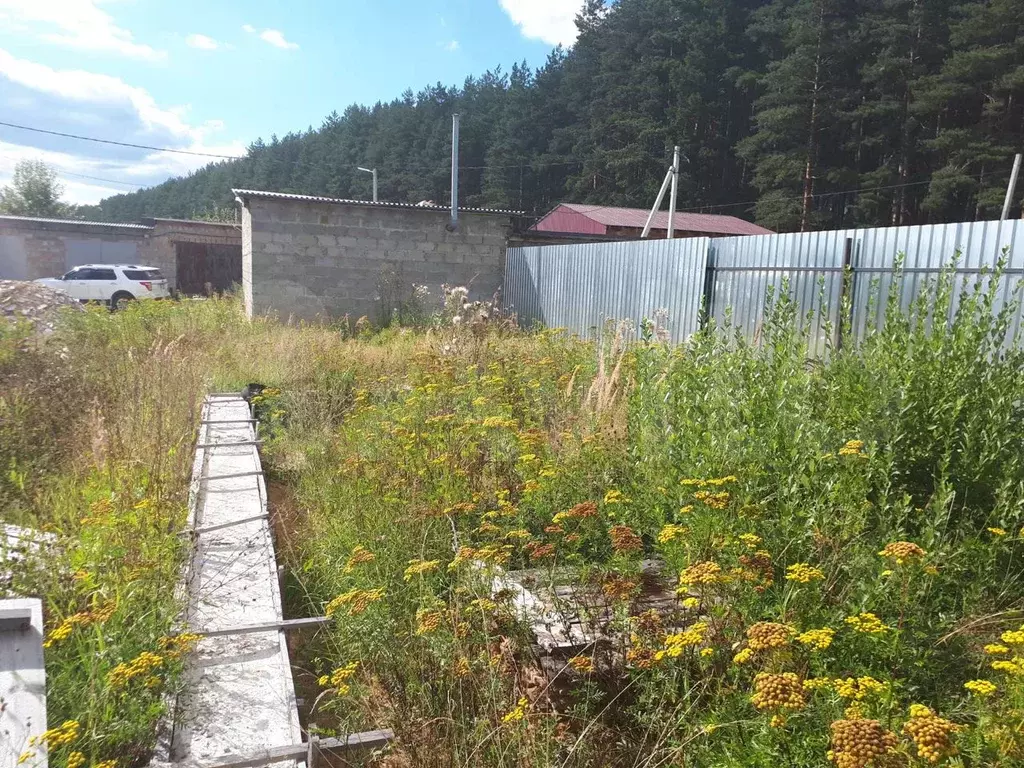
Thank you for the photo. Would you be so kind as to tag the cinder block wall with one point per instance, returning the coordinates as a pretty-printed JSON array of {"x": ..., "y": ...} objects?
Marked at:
[
  {"x": 33, "y": 249},
  {"x": 30, "y": 249},
  {"x": 303, "y": 259}
]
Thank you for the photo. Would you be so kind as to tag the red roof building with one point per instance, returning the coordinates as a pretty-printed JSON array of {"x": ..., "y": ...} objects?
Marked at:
[{"x": 605, "y": 222}]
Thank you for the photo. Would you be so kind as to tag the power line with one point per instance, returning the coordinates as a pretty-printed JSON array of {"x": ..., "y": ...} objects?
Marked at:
[
  {"x": 801, "y": 197},
  {"x": 97, "y": 178},
  {"x": 121, "y": 143}
]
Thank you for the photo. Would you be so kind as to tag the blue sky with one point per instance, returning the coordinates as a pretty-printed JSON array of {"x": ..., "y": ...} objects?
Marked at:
[{"x": 213, "y": 75}]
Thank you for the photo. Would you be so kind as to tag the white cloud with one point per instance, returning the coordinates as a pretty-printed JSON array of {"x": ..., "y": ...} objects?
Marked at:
[
  {"x": 202, "y": 42},
  {"x": 78, "y": 24},
  {"x": 274, "y": 37},
  {"x": 453, "y": 46},
  {"x": 552, "y": 21},
  {"x": 91, "y": 104}
]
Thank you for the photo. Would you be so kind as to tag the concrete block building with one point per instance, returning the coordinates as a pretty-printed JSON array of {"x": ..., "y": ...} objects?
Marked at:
[
  {"x": 318, "y": 257},
  {"x": 191, "y": 254}
]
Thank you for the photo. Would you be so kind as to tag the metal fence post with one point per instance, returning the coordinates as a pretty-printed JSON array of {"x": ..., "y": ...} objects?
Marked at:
[
  {"x": 709, "y": 287},
  {"x": 846, "y": 290}
]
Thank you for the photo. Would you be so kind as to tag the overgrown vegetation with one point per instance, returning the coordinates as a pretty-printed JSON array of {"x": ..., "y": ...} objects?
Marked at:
[{"x": 840, "y": 542}]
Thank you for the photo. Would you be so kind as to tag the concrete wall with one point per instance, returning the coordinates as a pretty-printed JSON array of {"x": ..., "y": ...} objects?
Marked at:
[
  {"x": 305, "y": 259},
  {"x": 34, "y": 248}
]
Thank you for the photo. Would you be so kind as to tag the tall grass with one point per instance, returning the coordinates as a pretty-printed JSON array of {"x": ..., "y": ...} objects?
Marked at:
[{"x": 845, "y": 537}]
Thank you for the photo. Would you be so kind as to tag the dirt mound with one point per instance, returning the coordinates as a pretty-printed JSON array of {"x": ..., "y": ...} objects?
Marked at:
[{"x": 33, "y": 303}]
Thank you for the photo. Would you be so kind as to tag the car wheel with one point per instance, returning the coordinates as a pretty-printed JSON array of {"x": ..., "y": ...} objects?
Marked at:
[{"x": 119, "y": 300}]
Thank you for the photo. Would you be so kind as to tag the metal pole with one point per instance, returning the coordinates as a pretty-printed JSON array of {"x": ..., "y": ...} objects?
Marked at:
[
  {"x": 373, "y": 172},
  {"x": 455, "y": 170},
  {"x": 1011, "y": 187},
  {"x": 675, "y": 194},
  {"x": 657, "y": 203}
]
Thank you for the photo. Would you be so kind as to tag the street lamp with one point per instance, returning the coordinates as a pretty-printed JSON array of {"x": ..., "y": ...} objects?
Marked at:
[{"x": 374, "y": 172}]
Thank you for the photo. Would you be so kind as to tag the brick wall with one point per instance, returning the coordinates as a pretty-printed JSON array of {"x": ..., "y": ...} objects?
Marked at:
[{"x": 304, "y": 259}]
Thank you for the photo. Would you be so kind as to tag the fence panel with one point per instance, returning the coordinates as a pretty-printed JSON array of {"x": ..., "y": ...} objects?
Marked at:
[
  {"x": 743, "y": 270},
  {"x": 579, "y": 287}
]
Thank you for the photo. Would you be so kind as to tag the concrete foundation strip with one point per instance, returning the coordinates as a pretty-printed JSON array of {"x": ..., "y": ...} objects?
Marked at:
[
  {"x": 301, "y": 750},
  {"x": 272, "y": 626}
]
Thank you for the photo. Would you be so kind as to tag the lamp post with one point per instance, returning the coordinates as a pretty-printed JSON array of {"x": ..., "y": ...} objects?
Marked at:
[{"x": 374, "y": 172}]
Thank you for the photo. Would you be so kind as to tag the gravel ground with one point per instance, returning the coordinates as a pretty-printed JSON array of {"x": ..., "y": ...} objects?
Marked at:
[{"x": 33, "y": 303}]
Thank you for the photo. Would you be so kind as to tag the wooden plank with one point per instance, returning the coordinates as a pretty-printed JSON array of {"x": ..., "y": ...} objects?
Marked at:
[
  {"x": 229, "y": 421},
  {"x": 249, "y": 629},
  {"x": 22, "y": 684},
  {"x": 364, "y": 740}
]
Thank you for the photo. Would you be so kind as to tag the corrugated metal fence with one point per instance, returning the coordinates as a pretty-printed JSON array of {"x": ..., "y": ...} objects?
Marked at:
[{"x": 579, "y": 287}]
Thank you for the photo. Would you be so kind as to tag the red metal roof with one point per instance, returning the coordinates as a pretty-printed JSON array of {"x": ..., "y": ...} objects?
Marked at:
[{"x": 595, "y": 220}]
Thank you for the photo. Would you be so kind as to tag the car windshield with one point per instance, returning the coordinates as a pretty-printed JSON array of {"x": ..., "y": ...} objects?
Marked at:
[
  {"x": 72, "y": 275},
  {"x": 143, "y": 274}
]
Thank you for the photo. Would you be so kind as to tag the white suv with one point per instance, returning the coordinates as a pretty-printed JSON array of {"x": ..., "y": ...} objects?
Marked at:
[{"x": 111, "y": 283}]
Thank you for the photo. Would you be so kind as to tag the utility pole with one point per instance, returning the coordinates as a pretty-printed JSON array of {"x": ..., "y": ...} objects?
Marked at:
[
  {"x": 374, "y": 172},
  {"x": 455, "y": 172},
  {"x": 1011, "y": 188},
  {"x": 674, "y": 196},
  {"x": 671, "y": 178}
]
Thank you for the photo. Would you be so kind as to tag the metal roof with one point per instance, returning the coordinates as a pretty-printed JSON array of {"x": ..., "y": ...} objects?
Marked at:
[
  {"x": 608, "y": 216},
  {"x": 37, "y": 220},
  {"x": 369, "y": 203}
]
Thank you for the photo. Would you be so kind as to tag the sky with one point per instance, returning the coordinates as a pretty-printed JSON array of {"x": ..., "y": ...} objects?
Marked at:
[{"x": 211, "y": 76}]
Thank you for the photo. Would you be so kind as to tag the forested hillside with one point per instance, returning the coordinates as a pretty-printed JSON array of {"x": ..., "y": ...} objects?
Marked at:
[{"x": 800, "y": 114}]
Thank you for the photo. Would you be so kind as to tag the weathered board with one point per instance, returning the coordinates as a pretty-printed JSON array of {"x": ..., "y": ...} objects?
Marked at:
[{"x": 22, "y": 682}]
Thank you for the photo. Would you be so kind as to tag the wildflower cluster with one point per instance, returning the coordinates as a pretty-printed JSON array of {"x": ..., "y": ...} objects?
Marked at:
[
  {"x": 713, "y": 499},
  {"x": 930, "y": 734},
  {"x": 517, "y": 713},
  {"x": 360, "y": 555},
  {"x": 981, "y": 687},
  {"x": 419, "y": 567},
  {"x": 867, "y": 623},
  {"x": 852, "y": 448},
  {"x": 858, "y": 688},
  {"x": 427, "y": 621},
  {"x": 340, "y": 678},
  {"x": 767, "y": 635},
  {"x": 81, "y": 619},
  {"x": 778, "y": 691},
  {"x": 624, "y": 539},
  {"x": 143, "y": 665},
  {"x": 64, "y": 734},
  {"x": 857, "y": 743},
  {"x": 902, "y": 552},
  {"x": 671, "y": 532},
  {"x": 817, "y": 639},
  {"x": 356, "y": 600},
  {"x": 706, "y": 572},
  {"x": 803, "y": 573},
  {"x": 582, "y": 664},
  {"x": 677, "y": 642}
]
